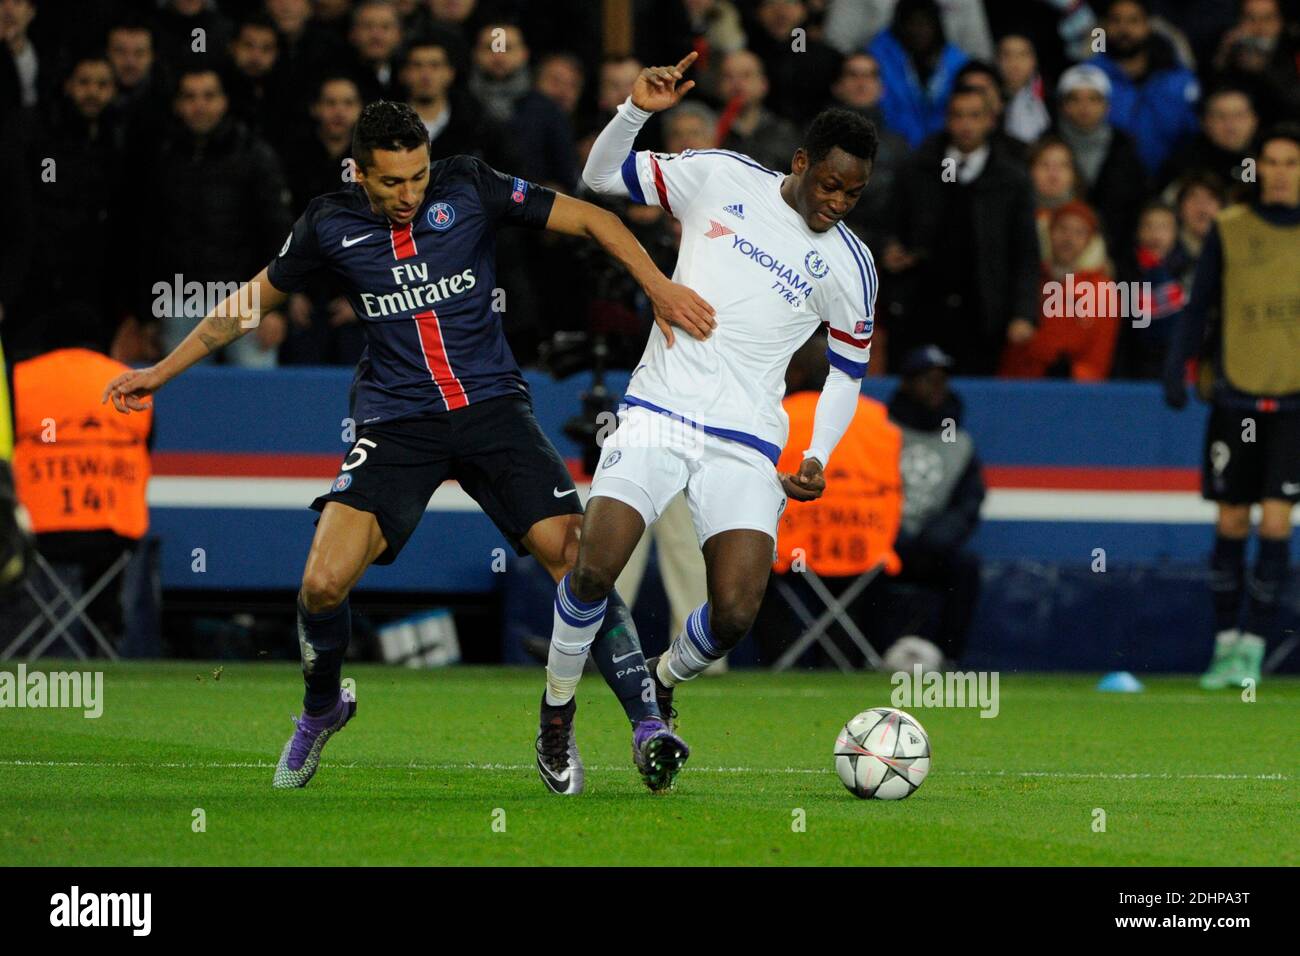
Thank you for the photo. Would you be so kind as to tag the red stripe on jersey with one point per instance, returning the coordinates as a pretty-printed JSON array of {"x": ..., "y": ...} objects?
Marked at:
[
  {"x": 660, "y": 188},
  {"x": 848, "y": 339},
  {"x": 436, "y": 360},
  {"x": 403, "y": 241}
]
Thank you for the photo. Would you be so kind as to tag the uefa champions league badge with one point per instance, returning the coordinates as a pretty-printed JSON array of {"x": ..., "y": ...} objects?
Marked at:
[
  {"x": 519, "y": 189},
  {"x": 341, "y": 483},
  {"x": 441, "y": 216},
  {"x": 816, "y": 265}
]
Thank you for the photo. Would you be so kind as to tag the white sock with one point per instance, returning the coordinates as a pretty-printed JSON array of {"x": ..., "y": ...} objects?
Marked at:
[
  {"x": 692, "y": 652},
  {"x": 576, "y": 624},
  {"x": 1250, "y": 640},
  {"x": 1225, "y": 641},
  {"x": 1227, "y": 637}
]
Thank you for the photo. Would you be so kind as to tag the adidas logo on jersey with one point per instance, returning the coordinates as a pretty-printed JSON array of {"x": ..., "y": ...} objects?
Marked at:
[{"x": 736, "y": 209}]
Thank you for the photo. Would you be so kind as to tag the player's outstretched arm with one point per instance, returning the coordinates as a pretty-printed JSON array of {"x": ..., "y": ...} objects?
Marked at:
[
  {"x": 657, "y": 88},
  {"x": 227, "y": 322},
  {"x": 674, "y": 304}
]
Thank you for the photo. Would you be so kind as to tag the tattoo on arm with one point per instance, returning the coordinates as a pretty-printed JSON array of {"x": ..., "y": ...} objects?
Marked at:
[{"x": 218, "y": 331}]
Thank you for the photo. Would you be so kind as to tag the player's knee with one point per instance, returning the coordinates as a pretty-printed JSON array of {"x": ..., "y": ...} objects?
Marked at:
[
  {"x": 589, "y": 582},
  {"x": 1275, "y": 522},
  {"x": 323, "y": 589},
  {"x": 1234, "y": 522},
  {"x": 731, "y": 616}
]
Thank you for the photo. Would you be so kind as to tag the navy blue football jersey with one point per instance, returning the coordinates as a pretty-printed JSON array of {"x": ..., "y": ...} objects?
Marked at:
[{"x": 424, "y": 291}]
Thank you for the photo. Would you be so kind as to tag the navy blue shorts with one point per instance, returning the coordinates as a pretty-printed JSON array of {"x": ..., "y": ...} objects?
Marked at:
[
  {"x": 1249, "y": 456},
  {"x": 494, "y": 448}
]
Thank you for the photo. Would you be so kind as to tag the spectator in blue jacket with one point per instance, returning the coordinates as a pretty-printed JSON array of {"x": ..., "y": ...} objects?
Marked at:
[
  {"x": 918, "y": 68},
  {"x": 1153, "y": 96}
]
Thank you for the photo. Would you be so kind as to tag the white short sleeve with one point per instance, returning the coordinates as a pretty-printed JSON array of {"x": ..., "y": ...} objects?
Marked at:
[
  {"x": 672, "y": 181},
  {"x": 851, "y": 318}
]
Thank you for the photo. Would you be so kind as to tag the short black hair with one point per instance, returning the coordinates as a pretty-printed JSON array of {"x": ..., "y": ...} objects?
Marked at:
[
  {"x": 1144, "y": 4},
  {"x": 387, "y": 125},
  {"x": 362, "y": 4},
  {"x": 968, "y": 89},
  {"x": 85, "y": 54},
  {"x": 195, "y": 66},
  {"x": 1228, "y": 87},
  {"x": 1201, "y": 179},
  {"x": 130, "y": 24},
  {"x": 1156, "y": 205},
  {"x": 337, "y": 76},
  {"x": 850, "y": 131},
  {"x": 906, "y": 9},
  {"x": 977, "y": 66},
  {"x": 258, "y": 20},
  {"x": 451, "y": 43},
  {"x": 1283, "y": 130}
]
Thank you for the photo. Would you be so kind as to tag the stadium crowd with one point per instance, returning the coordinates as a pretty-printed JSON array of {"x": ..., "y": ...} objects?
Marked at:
[{"x": 152, "y": 144}]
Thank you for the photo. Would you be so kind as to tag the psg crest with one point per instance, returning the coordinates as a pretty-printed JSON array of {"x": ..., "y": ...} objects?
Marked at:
[{"x": 441, "y": 216}]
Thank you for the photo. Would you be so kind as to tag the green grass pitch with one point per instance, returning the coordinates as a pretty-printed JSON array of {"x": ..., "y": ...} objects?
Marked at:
[{"x": 434, "y": 758}]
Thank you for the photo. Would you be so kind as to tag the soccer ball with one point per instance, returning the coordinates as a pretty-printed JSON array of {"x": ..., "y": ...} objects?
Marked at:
[{"x": 882, "y": 754}]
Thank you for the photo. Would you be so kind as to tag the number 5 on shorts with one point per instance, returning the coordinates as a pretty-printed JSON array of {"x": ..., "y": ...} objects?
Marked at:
[{"x": 360, "y": 452}]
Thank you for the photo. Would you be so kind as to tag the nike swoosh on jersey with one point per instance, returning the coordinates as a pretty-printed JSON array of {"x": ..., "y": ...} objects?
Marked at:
[
  {"x": 624, "y": 657},
  {"x": 352, "y": 242},
  {"x": 560, "y": 494}
]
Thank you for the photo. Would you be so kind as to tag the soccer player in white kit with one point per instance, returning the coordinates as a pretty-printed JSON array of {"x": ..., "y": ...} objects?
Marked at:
[{"x": 769, "y": 251}]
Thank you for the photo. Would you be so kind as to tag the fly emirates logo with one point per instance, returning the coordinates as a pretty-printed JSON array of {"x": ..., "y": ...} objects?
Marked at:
[{"x": 416, "y": 292}]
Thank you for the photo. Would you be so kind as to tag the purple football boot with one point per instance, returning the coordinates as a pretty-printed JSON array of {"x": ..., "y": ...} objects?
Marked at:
[
  {"x": 301, "y": 754},
  {"x": 658, "y": 752}
]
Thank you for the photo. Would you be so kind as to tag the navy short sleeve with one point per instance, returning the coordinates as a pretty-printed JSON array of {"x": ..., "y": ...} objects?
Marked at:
[
  {"x": 300, "y": 257},
  {"x": 510, "y": 199}
]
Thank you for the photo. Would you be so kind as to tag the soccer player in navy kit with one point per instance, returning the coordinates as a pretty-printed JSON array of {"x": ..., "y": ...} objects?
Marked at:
[{"x": 437, "y": 395}]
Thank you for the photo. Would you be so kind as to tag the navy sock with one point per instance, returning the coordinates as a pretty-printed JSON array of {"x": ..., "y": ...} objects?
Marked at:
[
  {"x": 617, "y": 652},
  {"x": 1265, "y": 582},
  {"x": 323, "y": 642},
  {"x": 1227, "y": 571}
]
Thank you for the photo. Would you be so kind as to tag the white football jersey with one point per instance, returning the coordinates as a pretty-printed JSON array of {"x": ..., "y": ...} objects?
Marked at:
[{"x": 771, "y": 281}]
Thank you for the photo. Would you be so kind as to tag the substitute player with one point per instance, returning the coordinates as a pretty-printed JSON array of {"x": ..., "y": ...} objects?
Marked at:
[
  {"x": 437, "y": 395},
  {"x": 1244, "y": 317},
  {"x": 771, "y": 253}
]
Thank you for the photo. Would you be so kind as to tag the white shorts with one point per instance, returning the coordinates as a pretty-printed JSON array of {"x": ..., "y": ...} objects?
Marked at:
[{"x": 651, "y": 457}]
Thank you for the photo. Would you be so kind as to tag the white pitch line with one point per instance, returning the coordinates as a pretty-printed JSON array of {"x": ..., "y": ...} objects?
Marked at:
[{"x": 263, "y": 765}]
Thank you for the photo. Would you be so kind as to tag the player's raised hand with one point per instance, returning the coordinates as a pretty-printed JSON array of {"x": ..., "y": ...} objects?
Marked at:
[
  {"x": 661, "y": 87},
  {"x": 130, "y": 388},
  {"x": 808, "y": 484},
  {"x": 677, "y": 305}
]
